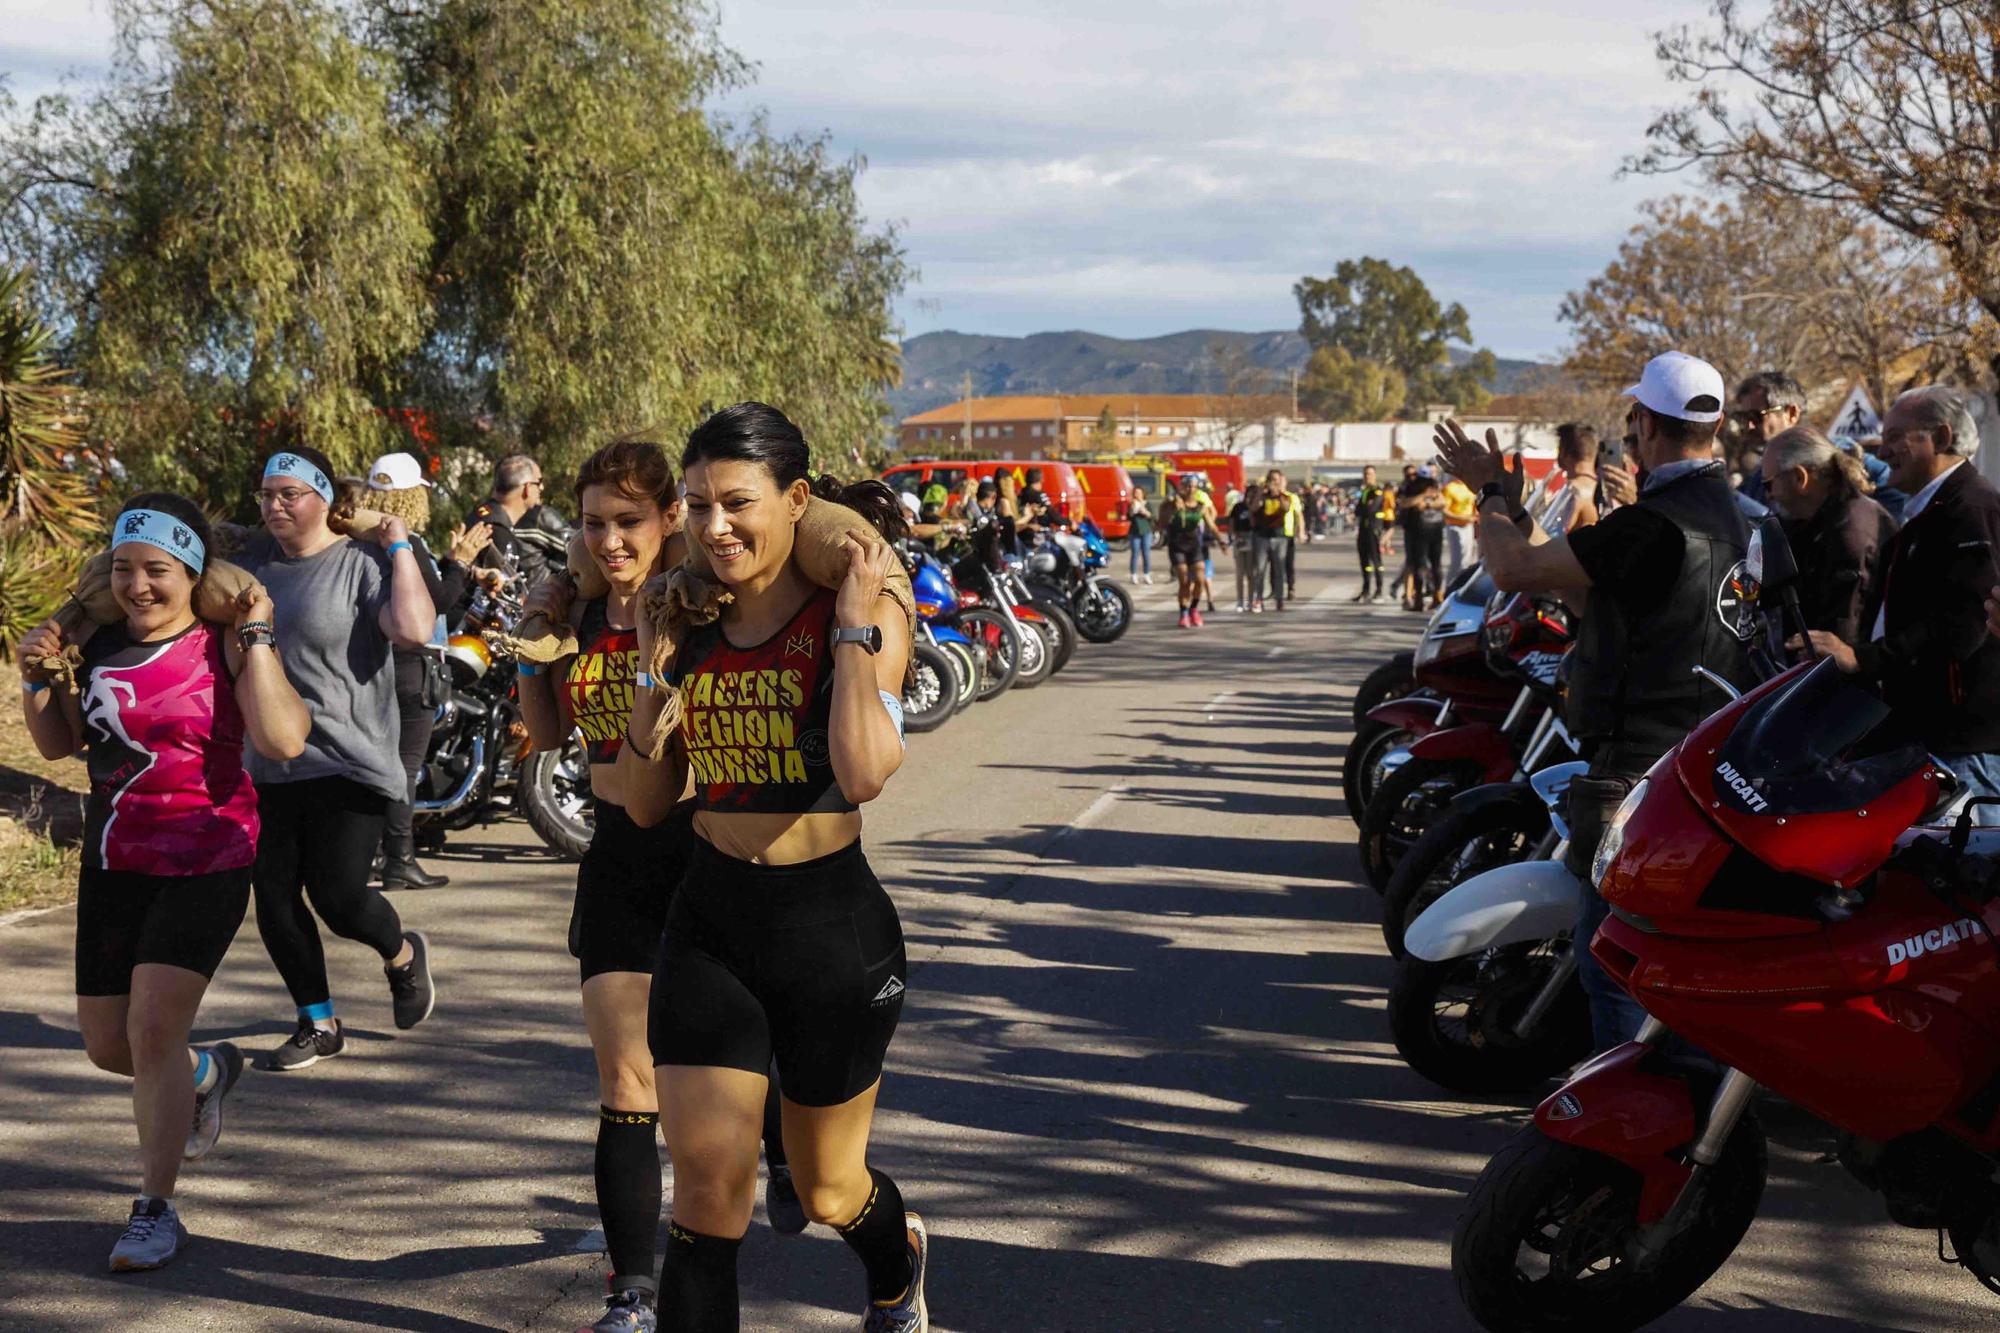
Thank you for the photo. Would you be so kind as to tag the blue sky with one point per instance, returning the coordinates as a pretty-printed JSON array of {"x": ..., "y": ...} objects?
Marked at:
[{"x": 1142, "y": 168}]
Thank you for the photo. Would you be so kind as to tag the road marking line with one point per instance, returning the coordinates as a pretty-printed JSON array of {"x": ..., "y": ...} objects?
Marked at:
[
  {"x": 1096, "y": 809},
  {"x": 1277, "y": 652},
  {"x": 1208, "y": 709}
]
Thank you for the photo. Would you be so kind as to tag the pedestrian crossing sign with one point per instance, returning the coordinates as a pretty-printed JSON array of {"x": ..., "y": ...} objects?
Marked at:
[{"x": 1857, "y": 418}]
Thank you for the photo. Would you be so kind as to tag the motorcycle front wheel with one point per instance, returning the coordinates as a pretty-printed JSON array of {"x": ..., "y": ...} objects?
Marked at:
[
  {"x": 1409, "y": 801},
  {"x": 1361, "y": 770},
  {"x": 1038, "y": 655},
  {"x": 1392, "y": 680},
  {"x": 932, "y": 694},
  {"x": 1461, "y": 843},
  {"x": 1453, "y": 1022},
  {"x": 553, "y": 792},
  {"x": 1546, "y": 1242},
  {"x": 1062, "y": 631},
  {"x": 1105, "y": 612},
  {"x": 998, "y": 646},
  {"x": 967, "y": 667}
]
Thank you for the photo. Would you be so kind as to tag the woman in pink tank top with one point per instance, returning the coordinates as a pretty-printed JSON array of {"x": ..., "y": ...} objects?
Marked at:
[{"x": 166, "y": 702}]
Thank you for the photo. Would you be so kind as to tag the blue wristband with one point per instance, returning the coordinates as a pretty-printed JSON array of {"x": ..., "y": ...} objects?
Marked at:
[
  {"x": 528, "y": 669},
  {"x": 400, "y": 546},
  {"x": 34, "y": 686},
  {"x": 646, "y": 681}
]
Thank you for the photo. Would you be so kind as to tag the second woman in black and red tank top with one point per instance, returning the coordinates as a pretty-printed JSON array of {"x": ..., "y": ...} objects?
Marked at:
[
  {"x": 630, "y": 507},
  {"x": 782, "y": 945}
]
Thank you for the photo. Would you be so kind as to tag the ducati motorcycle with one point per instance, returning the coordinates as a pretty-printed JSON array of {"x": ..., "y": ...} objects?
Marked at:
[{"x": 1774, "y": 905}]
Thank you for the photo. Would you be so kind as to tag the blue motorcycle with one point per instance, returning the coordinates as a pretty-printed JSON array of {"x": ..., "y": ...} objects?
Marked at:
[{"x": 960, "y": 654}]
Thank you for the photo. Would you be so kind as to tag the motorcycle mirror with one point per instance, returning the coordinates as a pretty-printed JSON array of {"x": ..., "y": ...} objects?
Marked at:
[
  {"x": 1961, "y": 828},
  {"x": 1770, "y": 561}
]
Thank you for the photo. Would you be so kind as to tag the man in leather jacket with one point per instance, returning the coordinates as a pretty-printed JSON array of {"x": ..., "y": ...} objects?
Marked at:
[
  {"x": 1663, "y": 592},
  {"x": 516, "y": 496},
  {"x": 1927, "y": 646}
]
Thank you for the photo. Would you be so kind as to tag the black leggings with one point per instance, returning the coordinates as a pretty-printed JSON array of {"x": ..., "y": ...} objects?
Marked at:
[
  {"x": 802, "y": 963},
  {"x": 412, "y": 744},
  {"x": 1368, "y": 544},
  {"x": 318, "y": 838}
]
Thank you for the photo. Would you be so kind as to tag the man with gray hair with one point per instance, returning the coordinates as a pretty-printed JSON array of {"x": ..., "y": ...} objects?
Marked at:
[
  {"x": 1767, "y": 404},
  {"x": 517, "y": 490},
  {"x": 1928, "y": 648}
]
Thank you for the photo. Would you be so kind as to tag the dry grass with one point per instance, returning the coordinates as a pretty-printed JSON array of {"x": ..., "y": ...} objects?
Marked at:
[
  {"x": 34, "y": 872},
  {"x": 37, "y": 798}
]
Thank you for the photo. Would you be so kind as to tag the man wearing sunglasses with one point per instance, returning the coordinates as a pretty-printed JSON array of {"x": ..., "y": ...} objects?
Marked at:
[
  {"x": 516, "y": 494},
  {"x": 1767, "y": 405}
]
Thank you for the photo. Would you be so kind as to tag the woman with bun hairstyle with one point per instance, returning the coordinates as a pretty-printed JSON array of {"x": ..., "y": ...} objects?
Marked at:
[
  {"x": 339, "y": 606},
  {"x": 396, "y": 486},
  {"x": 781, "y": 944},
  {"x": 165, "y": 702}
]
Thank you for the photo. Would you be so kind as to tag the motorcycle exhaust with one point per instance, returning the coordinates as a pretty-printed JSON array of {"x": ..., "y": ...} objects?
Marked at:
[{"x": 455, "y": 801}]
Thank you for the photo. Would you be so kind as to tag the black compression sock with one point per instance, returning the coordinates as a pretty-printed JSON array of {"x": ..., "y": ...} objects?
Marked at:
[
  {"x": 698, "y": 1283},
  {"x": 774, "y": 1131},
  {"x": 880, "y": 1235},
  {"x": 628, "y": 1190}
]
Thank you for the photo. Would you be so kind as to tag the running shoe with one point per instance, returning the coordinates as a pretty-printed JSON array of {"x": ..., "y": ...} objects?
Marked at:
[
  {"x": 1241, "y": 608},
  {"x": 628, "y": 1311},
  {"x": 1194, "y": 615},
  {"x": 207, "y": 1126},
  {"x": 909, "y": 1315},
  {"x": 1361, "y": 596},
  {"x": 1257, "y": 607},
  {"x": 1184, "y": 618},
  {"x": 308, "y": 1046},
  {"x": 152, "y": 1238},
  {"x": 781, "y": 1203},
  {"x": 410, "y": 986}
]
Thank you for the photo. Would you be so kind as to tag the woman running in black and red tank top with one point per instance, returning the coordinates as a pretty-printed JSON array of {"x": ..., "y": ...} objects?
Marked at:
[
  {"x": 781, "y": 945},
  {"x": 631, "y": 511}
]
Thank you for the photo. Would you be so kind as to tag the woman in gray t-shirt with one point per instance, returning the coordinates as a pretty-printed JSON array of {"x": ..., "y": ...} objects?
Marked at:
[{"x": 338, "y": 607}]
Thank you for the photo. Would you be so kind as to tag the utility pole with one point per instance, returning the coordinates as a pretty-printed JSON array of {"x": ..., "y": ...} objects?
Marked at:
[
  {"x": 1295, "y": 393},
  {"x": 968, "y": 409}
]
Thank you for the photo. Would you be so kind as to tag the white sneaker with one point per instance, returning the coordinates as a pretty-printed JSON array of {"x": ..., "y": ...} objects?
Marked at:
[
  {"x": 207, "y": 1126},
  {"x": 152, "y": 1237}
]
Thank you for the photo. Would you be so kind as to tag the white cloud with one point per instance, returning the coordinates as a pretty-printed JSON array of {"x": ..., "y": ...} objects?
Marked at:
[{"x": 1135, "y": 167}]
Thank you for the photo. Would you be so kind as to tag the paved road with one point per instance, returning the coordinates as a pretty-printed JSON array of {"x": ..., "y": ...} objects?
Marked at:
[{"x": 1143, "y": 1081}]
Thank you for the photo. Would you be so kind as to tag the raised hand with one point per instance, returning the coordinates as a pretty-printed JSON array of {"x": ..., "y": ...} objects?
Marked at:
[{"x": 867, "y": 573}]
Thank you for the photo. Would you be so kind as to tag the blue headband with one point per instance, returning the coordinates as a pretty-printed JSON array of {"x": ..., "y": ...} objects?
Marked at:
[
  {"x": 291, "y": 465},
  {"x": 165, "y": 531}
]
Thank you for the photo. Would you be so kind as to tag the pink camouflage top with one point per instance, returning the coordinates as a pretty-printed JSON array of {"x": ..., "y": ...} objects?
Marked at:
[{"x": 164, "y": 744}]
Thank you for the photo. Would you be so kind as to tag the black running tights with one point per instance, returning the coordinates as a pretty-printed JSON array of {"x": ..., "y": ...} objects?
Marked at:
[{"x": 317, "y": 840}]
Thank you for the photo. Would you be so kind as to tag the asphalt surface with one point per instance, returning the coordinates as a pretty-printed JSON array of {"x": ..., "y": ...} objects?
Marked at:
[{"x": 1143, "y": 1080}]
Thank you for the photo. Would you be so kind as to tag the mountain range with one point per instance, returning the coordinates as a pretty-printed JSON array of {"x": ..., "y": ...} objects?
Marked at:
[{"x": 935, "y": 365}]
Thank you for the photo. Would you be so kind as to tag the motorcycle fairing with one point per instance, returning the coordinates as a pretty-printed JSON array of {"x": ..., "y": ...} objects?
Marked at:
[
  {"x": 1414, "y": 713},
  {"x": 1616, "y": 1107},
  {"x": 1481, "y": 742},
  {"x": 1512, "y": 904}
]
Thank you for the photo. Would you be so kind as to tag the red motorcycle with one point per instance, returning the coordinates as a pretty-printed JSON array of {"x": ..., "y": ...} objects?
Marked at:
[
  {"x": 1774, "y": 908},
  {"x": 1523, "y": 641}
]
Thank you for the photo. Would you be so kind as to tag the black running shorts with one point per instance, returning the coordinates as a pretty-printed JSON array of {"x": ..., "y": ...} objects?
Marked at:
[
  {"x": 627, "y": 878},
  {"x": 802, "y": 962},
  {"x": 124, "y": 918}
]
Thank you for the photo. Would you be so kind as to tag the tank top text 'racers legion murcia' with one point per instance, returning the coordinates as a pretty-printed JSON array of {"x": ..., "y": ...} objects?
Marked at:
[
  {"x": 756, "y": 719},
  {"x": 597, "y": 688}
]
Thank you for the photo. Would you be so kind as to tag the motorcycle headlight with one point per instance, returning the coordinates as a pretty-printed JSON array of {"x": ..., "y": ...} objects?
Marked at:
[{"x": 1614, "y": 835}]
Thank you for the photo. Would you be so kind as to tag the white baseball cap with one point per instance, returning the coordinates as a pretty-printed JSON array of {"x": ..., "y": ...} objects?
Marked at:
[
  {"x": 1678, "y": 385},
  {"x": 910, "y": 502},
  {"x": 396, "y": 472}
]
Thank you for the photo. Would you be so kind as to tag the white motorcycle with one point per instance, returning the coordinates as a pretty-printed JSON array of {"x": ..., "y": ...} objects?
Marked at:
[{"x": 1486, "y": 999}]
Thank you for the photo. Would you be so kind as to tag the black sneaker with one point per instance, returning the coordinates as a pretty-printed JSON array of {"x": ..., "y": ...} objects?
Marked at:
[
  {"x": 308, "y": 1046},
  {"x": 410, "y": 986},
  {"x": 781, "y": 1203},
  {"x": 207, "y": 1127}
]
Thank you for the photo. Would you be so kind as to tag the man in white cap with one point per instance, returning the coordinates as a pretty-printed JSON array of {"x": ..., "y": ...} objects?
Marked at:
[{"x": 1661, "y": 586}]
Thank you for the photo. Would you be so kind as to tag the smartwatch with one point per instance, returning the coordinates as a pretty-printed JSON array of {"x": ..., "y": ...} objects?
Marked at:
[{"x": 868, "y": 636}]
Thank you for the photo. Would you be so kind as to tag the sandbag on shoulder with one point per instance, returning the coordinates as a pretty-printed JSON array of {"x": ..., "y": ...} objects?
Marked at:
[{"x": 91, "y": 602}]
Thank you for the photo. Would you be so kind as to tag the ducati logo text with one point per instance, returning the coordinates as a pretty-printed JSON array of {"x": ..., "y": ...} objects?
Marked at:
[
  {"x": 1944, "y": 937},
  {"x": 1741, "y": 786}
]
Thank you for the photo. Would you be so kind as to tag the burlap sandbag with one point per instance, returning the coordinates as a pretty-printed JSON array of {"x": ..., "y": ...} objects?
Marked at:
[{"x": 91, "y": 602}]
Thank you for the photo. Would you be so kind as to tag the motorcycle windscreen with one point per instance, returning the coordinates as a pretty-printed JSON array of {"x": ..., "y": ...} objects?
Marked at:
[{"x": 1807, "y": 777}]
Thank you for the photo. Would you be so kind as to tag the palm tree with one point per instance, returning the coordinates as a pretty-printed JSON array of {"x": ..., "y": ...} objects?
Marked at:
[{"x": 48, "y": 504}]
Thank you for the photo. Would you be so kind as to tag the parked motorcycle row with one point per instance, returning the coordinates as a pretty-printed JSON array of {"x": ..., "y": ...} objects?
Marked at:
[
  {"x": 1800, "y": 906},
  {"x": 989, "y": 619}
]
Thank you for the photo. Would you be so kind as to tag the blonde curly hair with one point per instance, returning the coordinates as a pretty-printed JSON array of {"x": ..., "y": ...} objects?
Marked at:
[{"x": 412, "y": 504}]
